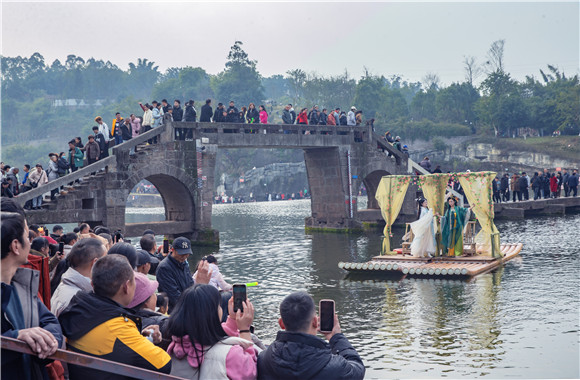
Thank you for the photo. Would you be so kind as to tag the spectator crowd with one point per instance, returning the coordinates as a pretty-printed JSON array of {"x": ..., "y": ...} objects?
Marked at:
[{"x": 92, "y": 292}]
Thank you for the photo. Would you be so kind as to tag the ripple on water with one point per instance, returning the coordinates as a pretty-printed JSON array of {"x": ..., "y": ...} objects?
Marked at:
[{"x": 519, "y": 321}]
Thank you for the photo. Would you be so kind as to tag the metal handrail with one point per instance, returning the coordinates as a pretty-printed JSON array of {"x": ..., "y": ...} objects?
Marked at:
[{"x": 88, "y": 361}]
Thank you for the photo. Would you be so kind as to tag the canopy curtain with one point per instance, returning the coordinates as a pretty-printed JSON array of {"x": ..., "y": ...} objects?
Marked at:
[
  {"x": 390, "y": 196},
  {"x": 477, "y": 189},
  {"x": 434, "y": 187}
]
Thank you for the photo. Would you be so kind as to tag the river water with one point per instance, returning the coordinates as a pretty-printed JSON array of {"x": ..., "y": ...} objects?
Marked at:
[{"x": 521, "y": 321}]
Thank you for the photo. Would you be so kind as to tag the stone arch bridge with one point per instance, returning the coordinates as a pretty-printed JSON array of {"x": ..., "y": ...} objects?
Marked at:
[{"x": 338, "y": 159}]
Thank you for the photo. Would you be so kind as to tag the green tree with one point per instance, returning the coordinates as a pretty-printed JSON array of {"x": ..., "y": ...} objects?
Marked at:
[
  {"x": 190, "y": 83},
  {"x": 502, "y": 107},
  {"x": 240, "y": 81}
]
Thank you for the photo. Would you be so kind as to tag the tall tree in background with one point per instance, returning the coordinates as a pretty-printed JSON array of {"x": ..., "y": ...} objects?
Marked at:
[
  {"x": 142, "y": 77},
  {"x": 495, "y": 62},
  {"x": 472, "y": 69},
  {"x": 184, "y": 84},
  {"x": 240, "y": 81}
]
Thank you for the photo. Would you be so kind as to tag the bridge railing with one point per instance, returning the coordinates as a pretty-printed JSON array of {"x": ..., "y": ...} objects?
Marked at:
[
  {"x": 65, "y": 180},
  {"x": 128, "y": 145},
  {"x": 88, "y": 361},
  {"x": 354, "y": 133}
]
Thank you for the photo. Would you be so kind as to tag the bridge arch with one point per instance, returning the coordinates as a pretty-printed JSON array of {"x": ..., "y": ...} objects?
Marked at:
[
  {"x": 177, "y": 190},
  {"x": 371, "y": 182}
]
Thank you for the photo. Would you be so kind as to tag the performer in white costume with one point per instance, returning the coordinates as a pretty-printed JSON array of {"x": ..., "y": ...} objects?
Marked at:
[{"x": 424, "y": 244}]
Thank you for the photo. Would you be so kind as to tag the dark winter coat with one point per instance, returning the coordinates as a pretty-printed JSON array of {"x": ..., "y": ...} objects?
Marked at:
[
  {"x": 173, "y": 277},
  {"x": 573, "y": 180},
  {"x": 218, "y": 116},
  {"x": 206, "y": 112},
  {"x": 177, "y": 113},
  {"x": 300, "y": 356},
  {"x": 253, "y": 116},
  {"x": 504, "y": 184},
  {"x": 190, "y": 114}
]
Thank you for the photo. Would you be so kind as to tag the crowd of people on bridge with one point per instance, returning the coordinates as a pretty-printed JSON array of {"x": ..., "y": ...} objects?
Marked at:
[
  {"x": 542, "y": 185},
  {"x": 97, "y": 294}
]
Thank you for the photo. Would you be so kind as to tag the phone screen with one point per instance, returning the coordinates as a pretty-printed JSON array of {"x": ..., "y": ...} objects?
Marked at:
[
  {"x": 239, "y": 296},
  {"x": 61, "y": 247},
  {"x": 165, "y": 246},
  {"x": 326, "y": 312}
]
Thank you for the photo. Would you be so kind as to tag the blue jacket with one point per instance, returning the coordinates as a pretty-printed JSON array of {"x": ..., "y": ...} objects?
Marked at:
[
  {"x": 300, "y": 356},
  {"x": 173, "y": 277},
  {"x": 573, "y": 180},
  {"x": 21, "y": 309}
]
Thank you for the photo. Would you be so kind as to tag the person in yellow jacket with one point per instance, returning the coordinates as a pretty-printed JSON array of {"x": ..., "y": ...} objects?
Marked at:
[
  {"x": 101, "y": 324},
  {"x": 116, "y": 129}
]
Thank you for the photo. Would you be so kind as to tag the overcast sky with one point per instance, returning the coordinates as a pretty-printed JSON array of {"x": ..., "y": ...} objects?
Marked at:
[{"x": 409, "y": 39}]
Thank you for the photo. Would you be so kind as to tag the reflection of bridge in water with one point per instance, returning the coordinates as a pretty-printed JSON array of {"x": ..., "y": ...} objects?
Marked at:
[{"x": 338, "y": 160}]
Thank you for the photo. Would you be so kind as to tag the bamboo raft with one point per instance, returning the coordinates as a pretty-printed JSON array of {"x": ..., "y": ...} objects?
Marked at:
[{"x": 409, "y": 266}]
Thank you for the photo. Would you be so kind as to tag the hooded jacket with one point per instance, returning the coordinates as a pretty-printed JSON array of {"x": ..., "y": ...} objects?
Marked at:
[
  {"x": 71, "y": 283},
  {"x": 302, "y": 356},
  {"x": 98, "y": 326}
]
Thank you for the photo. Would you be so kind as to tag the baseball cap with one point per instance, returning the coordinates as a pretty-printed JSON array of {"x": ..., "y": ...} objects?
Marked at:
[
  {"x": 182, "y": 246},
  {"x": 143, "y": 257}
]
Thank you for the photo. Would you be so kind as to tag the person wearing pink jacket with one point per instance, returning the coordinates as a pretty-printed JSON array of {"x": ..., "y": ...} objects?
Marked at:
[
  {"x": 263, "y": 115},
  {"x": 202, "y": 347},
  {"x": 135, "y": 125}
]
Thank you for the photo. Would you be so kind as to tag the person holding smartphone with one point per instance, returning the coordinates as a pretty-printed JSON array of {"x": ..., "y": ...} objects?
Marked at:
[{"x": 297, "y": 353}]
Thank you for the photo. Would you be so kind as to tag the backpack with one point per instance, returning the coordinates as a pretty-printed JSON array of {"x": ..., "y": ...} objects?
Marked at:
[{"x": 63, "y": 165}]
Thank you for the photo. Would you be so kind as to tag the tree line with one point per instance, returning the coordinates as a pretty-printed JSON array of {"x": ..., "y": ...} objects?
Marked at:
[{"x": 499, "y": 106}]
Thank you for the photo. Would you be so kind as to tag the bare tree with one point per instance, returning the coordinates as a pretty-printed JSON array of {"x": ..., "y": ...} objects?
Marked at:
[
  {"x": 431, "y": 81},
  {"x": 495, "y": 56},
  {"x": 472, "y": 69}
]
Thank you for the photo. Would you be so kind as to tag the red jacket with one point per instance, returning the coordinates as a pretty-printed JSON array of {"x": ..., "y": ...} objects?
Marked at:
[
  {"x": 302, "y": 118},
  {"x": 330, "y": 119},
  {"x": 553, "y": 184}
]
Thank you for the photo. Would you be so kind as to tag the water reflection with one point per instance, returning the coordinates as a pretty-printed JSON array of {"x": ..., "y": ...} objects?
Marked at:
[{"x": 518, "y": 321}]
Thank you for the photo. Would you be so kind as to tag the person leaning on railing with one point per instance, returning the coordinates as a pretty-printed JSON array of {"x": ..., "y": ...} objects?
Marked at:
[
  {"x": 24, "y": 316},
  {"x": 101, "y": 324}
]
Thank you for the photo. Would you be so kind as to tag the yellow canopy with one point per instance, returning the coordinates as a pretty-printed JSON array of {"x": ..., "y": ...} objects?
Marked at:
[{"x": 390, "y": 196}]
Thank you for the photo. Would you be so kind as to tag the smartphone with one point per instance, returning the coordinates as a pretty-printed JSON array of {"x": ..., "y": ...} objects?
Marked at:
[
  {"x": 239, "y": 296},
  {"x": 46, "y": 232},
  {"x": 165, "y": 246},
  {"x": 326, "y": 313},
  {"x": 61, "y": 247}
]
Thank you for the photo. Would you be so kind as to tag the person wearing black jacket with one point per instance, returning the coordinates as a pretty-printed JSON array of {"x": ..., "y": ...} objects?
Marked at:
[
  {"x": 206, "y": 112},
  {"x": 297, "y": 353},
  {"x": 322, "y": 117},
  {"x": 126, "y": 132},
  {"x": 313, "y": 116},
  {"x": 546, "y": 184},
  {"x": 504, "y": 187},
  {"x": 494, "y": 189},
  {"x": 100, "y": 139},
  {"x": 233, "y": 108},
  {"x": 523, "y": 182},
  {"x": 536, "y": 185},
  {"x": 573, "y": 183},
  {"x": 218, "y": 114},
  {"x": 252, "y": 116},
  {"x": 177, "y": 111}
]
